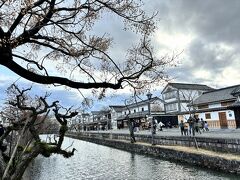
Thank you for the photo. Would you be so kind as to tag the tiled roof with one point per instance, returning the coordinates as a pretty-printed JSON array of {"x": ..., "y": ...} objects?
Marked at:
[
  {"x": 223, "y": 94},
  {"x": 137, "y": 104},
  {"x": 190, "y": 86},
  {"x": 100, "y": 112},
  {"x": 236, "y": 91},
  {"x": 117, "y": 108}
]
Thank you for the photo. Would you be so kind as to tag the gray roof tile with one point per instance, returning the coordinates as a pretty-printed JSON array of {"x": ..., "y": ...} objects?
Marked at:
[
  {"x": 188, "y": 86},
  {"x": 219, "y": 95}
]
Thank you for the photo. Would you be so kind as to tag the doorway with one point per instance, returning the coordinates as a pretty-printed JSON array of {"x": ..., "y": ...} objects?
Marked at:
[{"x": 223, "y": 120}]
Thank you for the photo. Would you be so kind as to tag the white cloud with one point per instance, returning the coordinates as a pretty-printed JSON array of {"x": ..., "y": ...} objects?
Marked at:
[
  {"x": 201, "y": 73},
  {"x": 173, "y": 41},
  {"x": 229, "y": 76}
]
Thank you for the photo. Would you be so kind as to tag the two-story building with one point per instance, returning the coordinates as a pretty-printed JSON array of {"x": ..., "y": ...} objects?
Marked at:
[
  {"x": 82, "y": 120},
  {"x": 116, "y": 111},
  {"x": 101, "y": 120},
  {"x": 139, "y": 112},
  {"x": 217, "y": 107},
  {"x": 178, "y": 96}
]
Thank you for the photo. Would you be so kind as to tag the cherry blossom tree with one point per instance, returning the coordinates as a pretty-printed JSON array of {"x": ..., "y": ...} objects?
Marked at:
[{"x": 55, "y": 42}]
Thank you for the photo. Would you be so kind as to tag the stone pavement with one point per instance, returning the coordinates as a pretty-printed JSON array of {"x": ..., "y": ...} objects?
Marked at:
[{"x": 212, "y": 133}]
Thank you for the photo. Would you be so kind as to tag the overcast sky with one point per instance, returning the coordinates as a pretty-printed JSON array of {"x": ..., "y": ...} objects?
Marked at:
[{"x": 206, "y": 32}]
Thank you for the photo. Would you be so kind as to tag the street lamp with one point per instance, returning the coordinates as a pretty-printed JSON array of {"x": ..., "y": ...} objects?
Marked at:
[{"x": 149, "y": 96}]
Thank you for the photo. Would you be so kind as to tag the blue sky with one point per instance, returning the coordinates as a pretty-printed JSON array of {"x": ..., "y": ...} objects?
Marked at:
[{"x": 206, "y": 33}]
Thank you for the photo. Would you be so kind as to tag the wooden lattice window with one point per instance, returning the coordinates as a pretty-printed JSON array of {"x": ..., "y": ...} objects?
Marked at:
[
  {"x": 208, "y": 115},
  {"x": 204, "y": 106}
]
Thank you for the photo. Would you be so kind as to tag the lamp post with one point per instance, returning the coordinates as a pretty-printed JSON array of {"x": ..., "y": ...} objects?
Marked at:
[{"x": 149, "y": 96}]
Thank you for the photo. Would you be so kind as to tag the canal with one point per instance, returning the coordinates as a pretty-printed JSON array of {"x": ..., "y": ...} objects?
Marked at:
[{"x": 92, "y": 161}]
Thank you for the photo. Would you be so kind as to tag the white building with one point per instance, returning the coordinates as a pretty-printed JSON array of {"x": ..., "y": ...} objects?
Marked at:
[
  {"x": 116, "y": 111},
  {"x": 177, "y": 96},
  {"x": 139, "y": 111},
  {"x": 215, "y": 107}
]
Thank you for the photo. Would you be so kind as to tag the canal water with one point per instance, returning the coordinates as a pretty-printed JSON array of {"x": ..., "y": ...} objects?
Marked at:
[{"x": 92, "y": 161}]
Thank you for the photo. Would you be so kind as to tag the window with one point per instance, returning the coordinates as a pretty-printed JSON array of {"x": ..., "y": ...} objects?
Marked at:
[
  {"x": 134, "y": 110},
  {"x": 226, "y": 103},
  {"x": 142, "y": 109},
  {"x": 171, "y": 107},
  {"x": 208, "y": 115},
  {"x": 170, "y": 95},
  {"x": 204, "y": 106}
]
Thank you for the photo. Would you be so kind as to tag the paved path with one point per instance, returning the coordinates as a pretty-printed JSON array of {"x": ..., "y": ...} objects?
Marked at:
[{"x": 212, "y": 133}]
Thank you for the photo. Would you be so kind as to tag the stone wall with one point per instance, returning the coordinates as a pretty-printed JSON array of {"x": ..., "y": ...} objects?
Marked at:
[
  {"x": 213, "y": 144},
  {"x": 203, "y": 160}
]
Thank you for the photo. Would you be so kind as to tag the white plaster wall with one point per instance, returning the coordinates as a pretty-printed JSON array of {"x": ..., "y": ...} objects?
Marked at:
[
  {"x": 214, "y": 116},
  {"x": 113, "y": 114},
  {"x": 172, "y": 110},
  {"x": 214, "y": 105},
  {"x": 170, "y": 100},
  {"x": 119, "y": 114},
  {"x": 139, "y": 109},
  {"x": 114, "y": 123},
  {"x": 124, "y": 112},
  {"x": 228, "y": 115}
]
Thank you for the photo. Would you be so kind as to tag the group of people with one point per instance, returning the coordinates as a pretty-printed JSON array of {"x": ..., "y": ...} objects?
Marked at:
[
  {"x": 159, "y": 125},
  {"x": 193, "y": 124}
]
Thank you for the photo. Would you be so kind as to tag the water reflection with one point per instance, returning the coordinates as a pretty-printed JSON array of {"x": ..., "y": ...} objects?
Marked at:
[{"x": 93, "y": 161}]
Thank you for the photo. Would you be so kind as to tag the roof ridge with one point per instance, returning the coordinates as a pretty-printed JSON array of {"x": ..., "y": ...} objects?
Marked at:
[
  {"x": 221, "y": 89},
  {"x": 190, "y": 84}
]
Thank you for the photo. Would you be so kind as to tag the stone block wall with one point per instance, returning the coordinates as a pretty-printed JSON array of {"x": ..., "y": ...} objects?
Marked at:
[
  {"x": 203, "y": 160},
  {"x": 213, "y": 144}
]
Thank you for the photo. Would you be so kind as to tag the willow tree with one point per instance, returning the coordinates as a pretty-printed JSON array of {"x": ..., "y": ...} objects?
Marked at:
[{"x": 55, "y": 42}]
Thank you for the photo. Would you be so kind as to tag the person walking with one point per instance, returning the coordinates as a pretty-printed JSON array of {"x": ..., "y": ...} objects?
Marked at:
[
  {"x": 191, "y": 122},
  {"x": 186, "y": 126},
  {"x": 198, "y": 126},
  {"x": 169, "y": 125},
  {"x": 206, "y": 126},
  {"x": 155, "y": 123},
  {"x": 202, "y": 124},
  {"x": 181, "y": 126},
  {"x": 160, "y": 124}
]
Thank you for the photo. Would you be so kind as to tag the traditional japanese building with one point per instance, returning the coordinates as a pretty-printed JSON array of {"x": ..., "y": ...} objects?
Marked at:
[
  {"x": 177, "y": 96},
  {"x": 139, "y": 112},
  {"x": 220, "y": 108},
  {"x": 116, "y": 111}
]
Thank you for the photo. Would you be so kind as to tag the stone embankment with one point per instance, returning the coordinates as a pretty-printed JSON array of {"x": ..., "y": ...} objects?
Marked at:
[{"x": 218, "y": 154}]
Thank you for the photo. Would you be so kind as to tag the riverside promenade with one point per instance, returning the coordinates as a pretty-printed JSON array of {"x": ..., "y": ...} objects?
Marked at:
[{"x": 212, "y": 133}]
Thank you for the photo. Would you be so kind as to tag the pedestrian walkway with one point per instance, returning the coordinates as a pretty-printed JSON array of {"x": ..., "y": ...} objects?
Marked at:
[{"x": 212, "y": 133}]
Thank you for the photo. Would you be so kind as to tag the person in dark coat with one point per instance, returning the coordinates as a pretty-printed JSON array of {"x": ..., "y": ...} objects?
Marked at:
[{"x": 1, "y": 130}]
